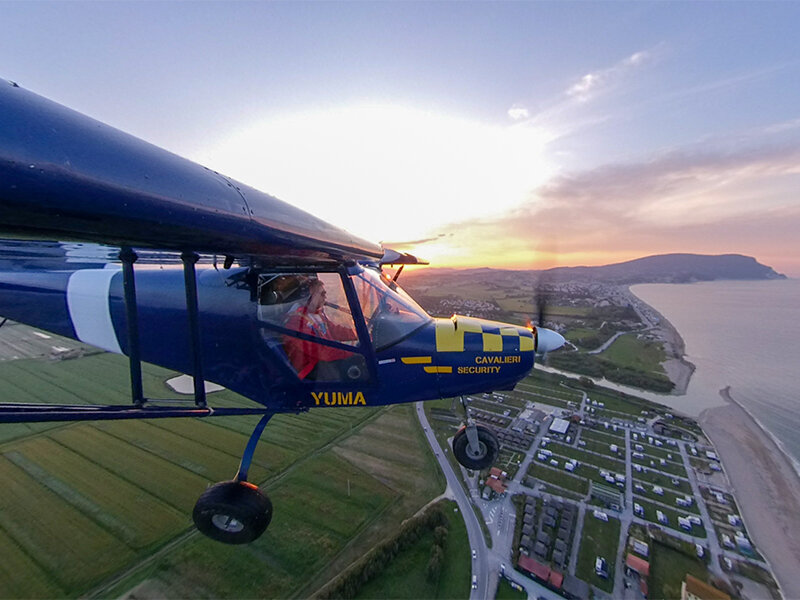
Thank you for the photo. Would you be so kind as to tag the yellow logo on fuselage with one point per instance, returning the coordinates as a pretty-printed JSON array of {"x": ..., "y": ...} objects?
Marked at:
[
  {"x": 338, "y": 399},
  {"x": 497, "y": 360}
]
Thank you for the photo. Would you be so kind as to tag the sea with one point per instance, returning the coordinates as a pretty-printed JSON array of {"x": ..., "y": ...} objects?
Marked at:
[{"x": 742, "y": 334}]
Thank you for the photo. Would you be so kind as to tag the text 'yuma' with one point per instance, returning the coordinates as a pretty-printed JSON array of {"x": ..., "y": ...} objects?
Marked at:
[{"x": 338, "y": 398}]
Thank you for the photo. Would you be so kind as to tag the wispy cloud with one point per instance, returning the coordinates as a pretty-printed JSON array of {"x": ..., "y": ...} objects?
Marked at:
[
  {"x": 590, "y": 84},
  {"x": 518, "y": 112}
]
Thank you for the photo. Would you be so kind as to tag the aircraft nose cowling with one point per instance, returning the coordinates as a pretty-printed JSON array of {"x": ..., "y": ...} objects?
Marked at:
[
  {"x": 547, "y": 340},
  {"x": 477, "y": 355}
]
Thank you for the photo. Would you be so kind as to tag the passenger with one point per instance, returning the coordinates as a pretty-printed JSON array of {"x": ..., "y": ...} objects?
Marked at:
[{"x": 312, "y": 360}]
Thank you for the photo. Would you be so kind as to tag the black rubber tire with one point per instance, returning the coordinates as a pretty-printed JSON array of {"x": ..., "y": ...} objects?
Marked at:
[
  {"x": 232, "y": 512},
  {"x": 487, "y": 442}
]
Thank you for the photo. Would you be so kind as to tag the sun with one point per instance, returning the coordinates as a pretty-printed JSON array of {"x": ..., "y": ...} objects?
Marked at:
[{"x": 386, "y": 172}]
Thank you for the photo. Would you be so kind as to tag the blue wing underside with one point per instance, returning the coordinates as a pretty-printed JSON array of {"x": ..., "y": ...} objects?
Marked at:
[{"x": 65, "y": 176}]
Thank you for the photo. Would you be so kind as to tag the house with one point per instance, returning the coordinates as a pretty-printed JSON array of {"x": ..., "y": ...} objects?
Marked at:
[
  {"x": 534, "y": 569},
  {"x": 693, "y": 588},
  {"x": 574, "y": 588},
  {"x": 544, "y": 538},
  {"x": 559, "y": 558},
  {"x": 634, "y": 564}
]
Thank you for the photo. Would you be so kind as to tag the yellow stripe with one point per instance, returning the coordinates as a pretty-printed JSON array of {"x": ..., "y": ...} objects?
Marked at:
[
  {"x": 512, "y": 331},
  {"x": 526, "y": 344},
  {"x": 416, "y": 360},
  {"x": 448, "y": 339},
  {"x": 492, "y": 342},
  {"x": 438, "y": 369}
]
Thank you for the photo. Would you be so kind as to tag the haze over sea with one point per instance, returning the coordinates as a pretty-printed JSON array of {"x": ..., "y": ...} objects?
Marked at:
[{"x": 743, "y": 334}]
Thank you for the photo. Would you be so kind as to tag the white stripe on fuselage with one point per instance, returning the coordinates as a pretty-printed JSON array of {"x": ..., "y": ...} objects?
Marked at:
[{"x": 87, "y": 300}]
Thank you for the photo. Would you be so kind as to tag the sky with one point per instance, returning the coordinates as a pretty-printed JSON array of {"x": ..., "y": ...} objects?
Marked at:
[{"x": 503, "y": 134}]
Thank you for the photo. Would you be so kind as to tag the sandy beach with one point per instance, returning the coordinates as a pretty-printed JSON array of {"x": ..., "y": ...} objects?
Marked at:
[{"x": 765, "y": 484}]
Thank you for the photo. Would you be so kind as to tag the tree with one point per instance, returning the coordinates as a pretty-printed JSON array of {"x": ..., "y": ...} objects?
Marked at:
[{"x": 435, "y": 563}]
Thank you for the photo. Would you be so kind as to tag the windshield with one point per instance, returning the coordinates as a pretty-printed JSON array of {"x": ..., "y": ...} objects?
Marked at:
[{"x": 390, "y": 313}]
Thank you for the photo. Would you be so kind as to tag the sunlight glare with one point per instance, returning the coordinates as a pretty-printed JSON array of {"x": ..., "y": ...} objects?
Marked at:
[{"x": 386, "y": 172}]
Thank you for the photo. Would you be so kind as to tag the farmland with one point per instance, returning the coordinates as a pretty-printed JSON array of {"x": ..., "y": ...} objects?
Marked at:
[{"x": 100, "y": 509}]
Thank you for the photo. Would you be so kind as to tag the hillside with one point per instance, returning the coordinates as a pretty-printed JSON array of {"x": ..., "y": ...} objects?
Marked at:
[{"x": 663, "y": 268}]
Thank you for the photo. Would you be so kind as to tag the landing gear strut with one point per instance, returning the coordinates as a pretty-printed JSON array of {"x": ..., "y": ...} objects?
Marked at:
[
  {"x": 475, "y": 446},
  {"x": 235, "y": 512}
]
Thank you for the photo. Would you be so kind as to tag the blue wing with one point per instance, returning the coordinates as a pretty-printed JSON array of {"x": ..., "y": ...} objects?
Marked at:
[{"x": 64, "y": 176}]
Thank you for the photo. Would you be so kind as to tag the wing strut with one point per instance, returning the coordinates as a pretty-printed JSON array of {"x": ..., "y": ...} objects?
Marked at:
[
  {"x": 128, "y": 257},
  {"x": 190, "y": 280}
]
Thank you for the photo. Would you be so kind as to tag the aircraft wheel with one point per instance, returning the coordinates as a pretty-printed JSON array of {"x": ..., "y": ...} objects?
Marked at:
[
  {"x": 488, "y": 448},
  {"x": 233, "y": 512}
]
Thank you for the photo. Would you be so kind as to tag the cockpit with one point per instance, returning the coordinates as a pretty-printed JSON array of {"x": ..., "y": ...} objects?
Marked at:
[{"x": 327, "y": 323}]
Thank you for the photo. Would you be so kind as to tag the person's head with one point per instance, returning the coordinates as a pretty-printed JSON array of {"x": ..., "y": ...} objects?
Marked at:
[{"x": 317, "y": 296}]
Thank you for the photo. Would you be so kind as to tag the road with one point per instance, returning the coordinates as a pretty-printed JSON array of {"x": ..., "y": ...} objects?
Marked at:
[{"x": 480, "y": 565}]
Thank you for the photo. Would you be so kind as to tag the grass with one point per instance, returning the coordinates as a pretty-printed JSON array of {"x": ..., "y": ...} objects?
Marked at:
[
  {"x": 599, "y": 538},
  {"x": 603, "y": 462},
  {"x": 668, "y": 569},
  {"x": 83, "y": 504},
  {"x": 405, "y": 576},
  {"x": 670, "y": 467},
  {"x": 630, "y": 351},
  {"x": 559, "y": 478},
  {"x": 506, "y": 592},
  {"x": 668, "y": 498},
  {"x": 603, "y": 448},
  {"x": 672, "y": 516},
  {"x": 622, "y": 403},
  {"x": 664, "y": 481}
]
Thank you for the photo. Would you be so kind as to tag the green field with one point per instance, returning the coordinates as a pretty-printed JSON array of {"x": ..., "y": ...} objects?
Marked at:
[
  {"x": 98, "y": 509},
  {"x": 604, "y": 448},
  {"x": 506, "y": 592},
  {"x": 630, "y": 351},
  {"x": 559, "y": 478},
  {"x": 670, "y": 467},
  {"x": 599, "y": 538},
  {"x": 668, "y": 498},
  {"x": 664, "y": 481},
  {"x": 672, "y": 516},
  {"x": 668, "y": 569},
  {"x": 603, "y": 462},
  {"x": 406, "y": 575}
]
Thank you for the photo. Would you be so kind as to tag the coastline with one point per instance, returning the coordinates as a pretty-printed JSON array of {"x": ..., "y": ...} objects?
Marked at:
[
  {"x": 678, "y": 369},
  {"x": 766, "y": 484}
]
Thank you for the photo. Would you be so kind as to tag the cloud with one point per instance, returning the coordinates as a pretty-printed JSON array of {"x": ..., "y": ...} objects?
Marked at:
[
  {"x": 518, "y": 112},
  {"x": 683, "y": 201},
  {"x": 592, "y": 83}
]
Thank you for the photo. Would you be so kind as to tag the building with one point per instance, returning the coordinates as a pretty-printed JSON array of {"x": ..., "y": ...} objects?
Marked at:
[
  {"x": 574, "y": 588},
  {"x": 534, "y": 569},
  {"x": 611, "y": 497},
  {"x": 559, "y": 426},
  {"x": 496, "y": 486},
  {"x": 638, "y": 565},
  {"x": 694, "y": 589}
]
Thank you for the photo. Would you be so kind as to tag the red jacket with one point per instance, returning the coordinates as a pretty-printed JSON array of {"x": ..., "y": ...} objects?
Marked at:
[{"x": 303, "y": 354}]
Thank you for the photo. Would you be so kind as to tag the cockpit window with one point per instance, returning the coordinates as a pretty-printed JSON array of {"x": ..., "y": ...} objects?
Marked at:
[
  {"x": 312, "y": 305},
  {"x": 390, "y": 313}
]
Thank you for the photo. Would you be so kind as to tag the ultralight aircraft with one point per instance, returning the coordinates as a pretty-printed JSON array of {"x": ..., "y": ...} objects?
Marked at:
[{"x": 294, "y": 314}]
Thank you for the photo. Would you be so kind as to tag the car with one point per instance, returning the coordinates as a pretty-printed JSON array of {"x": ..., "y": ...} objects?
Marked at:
[
  {"x": 474, "y": 555},
  {"x": 728, "y": 563},
  {"x": 600, "y": 567},
  {"x": 474, "y": 582}
]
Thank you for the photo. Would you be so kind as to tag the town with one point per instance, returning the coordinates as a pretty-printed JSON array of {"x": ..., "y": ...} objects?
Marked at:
[{"x": 599, "y": 494}]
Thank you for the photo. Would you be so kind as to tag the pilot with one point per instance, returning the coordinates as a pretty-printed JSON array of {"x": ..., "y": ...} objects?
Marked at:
[{"x": 315, "y": 361}]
